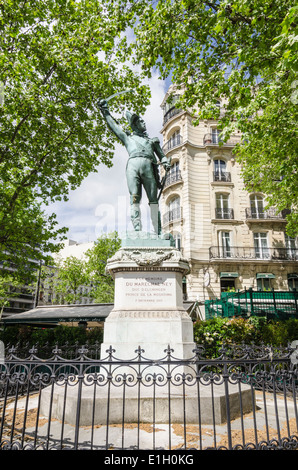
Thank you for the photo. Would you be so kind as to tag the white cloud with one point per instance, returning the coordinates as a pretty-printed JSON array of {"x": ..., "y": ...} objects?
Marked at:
[{"x": 101, "y": 203}]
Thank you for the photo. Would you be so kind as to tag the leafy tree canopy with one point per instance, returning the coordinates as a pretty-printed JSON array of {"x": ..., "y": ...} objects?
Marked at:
[
  {"x": 8, "y": 289},
  {"x": 97, "y": 257},
  {"x": 72, "y": 278},
  {"x": 244, "y": 52},
  {"x": 57, "y": 59}
]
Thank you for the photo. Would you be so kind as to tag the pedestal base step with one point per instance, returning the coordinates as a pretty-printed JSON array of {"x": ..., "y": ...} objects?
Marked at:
[{"x": 133, "y": 402}]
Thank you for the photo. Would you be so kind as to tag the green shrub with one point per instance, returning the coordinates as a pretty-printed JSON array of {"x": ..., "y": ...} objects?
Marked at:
[{"x": 213, "y": 333}]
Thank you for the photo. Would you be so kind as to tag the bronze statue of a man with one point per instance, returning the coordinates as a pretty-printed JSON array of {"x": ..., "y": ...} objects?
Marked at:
[{"x": 142, "y": 165}]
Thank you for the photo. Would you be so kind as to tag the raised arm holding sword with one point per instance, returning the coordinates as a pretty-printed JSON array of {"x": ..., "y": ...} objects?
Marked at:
[{"x": 142, "y": 164}]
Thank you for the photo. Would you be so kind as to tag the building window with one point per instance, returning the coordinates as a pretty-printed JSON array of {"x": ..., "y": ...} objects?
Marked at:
[
  {"x": 291, "y": 247},
  {"x": 170, "y": 109},
  {"x": 225, "y": 244},
  {"x": 174, "y": 170},
  {"x": 174, "y": 207},
  {"x": 263, "y": 284},
  {"x": 227, "y": 285},
  {"x": 174, "y": 211},
  {"x": 220, "y": 171},
  {"x": 222, "y": 210},
  {"x": 215, "y": 135},
  {"x": 219, "y": 166},
  {"x": 261, "y": 245},
  {"x": 170, "y": 104},
  {"x": 257, "y": 207},
  {"x": 174, "y": 175},
  {"x": 177, "y": 239},
  {"x": 293, "y": 282},
  {"x": 184, "y": 288},
  {"x": 174, "y": 140}
]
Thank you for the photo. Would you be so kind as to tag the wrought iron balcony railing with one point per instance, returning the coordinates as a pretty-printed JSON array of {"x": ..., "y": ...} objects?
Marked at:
[
  {"x": 214, "y": 139},
  {"x": 173, "y": 178},
  {"x": 172, "y": 215},
  {"x": 221, "y": 213},
  {"x": 169, "y": 114},
  {"x": 173, "y": 142},
  {"x": 222, "y": 176},
  {"x": 270, "y": 214},
  {"x": 264, "y": 253}
]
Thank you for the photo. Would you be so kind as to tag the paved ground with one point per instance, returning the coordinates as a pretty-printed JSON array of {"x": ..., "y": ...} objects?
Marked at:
[{"x": 161, "y": 435}]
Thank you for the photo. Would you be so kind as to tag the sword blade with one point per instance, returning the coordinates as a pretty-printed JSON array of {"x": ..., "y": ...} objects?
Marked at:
[{"x": 117, "y": 94}]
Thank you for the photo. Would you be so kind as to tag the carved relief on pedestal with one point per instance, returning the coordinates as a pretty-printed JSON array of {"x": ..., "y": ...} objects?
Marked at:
[{"x": 147, "y": 257}]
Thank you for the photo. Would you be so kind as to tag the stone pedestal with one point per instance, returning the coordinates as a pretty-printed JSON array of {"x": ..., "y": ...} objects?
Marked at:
[
  {"x": 141, "y": 407},
  {"x": 148, "y": 305},
  {"x": 148, "y": 314}
]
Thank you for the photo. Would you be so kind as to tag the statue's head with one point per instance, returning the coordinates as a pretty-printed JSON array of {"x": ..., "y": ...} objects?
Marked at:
[{"x": 135, "y": 122}]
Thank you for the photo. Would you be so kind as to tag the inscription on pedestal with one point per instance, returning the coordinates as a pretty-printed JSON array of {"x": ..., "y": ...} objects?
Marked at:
[
  {"x": 149, "y": 291},
  {"x": 148, "y": 303}
]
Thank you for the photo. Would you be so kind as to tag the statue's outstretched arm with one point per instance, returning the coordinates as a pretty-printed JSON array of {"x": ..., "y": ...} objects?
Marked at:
[{"x": 111, "y": 122}]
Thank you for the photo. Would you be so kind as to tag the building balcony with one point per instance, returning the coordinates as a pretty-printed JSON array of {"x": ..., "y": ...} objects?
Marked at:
[
  {"x": 252, "y": 253},
  {"x": 224, "y": 176},
  {"x": 172, "y": 215},
  {"x": 270, "y": 214},
  {"x": 171, "y": 113},
  {"x": 224, "y": 213},
  {"x": 172, "y": 143},
  {"x": 214, "y": 139},
  {"x": 173, "y": 178}
]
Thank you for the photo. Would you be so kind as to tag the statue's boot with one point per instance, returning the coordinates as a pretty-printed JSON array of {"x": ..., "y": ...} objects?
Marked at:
[
  {"x": 155, "y": 217},
  {"x": 135, "y": 215}
]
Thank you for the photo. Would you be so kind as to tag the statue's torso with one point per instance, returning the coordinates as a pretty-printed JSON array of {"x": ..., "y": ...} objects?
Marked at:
[{"x": 137, "y": 144}]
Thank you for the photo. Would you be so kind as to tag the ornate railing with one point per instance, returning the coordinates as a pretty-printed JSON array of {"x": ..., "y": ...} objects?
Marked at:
[
  {"x": 173, "y": 178},
  {"x": 215, "y": 139},
  {"x": 172, "y": 215},
  {"x": 269, "y": 214},
  {"x": 172, "y": 143},
  {"x": 224, "y": 176},
  {"x": 236, "y": 252},
  {"x": 171, "y": 113},
  {"x": 243, "y": 399},
  {"x": 226, "y": 213}
]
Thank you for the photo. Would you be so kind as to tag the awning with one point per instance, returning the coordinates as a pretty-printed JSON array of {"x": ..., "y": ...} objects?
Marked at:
[
  {"x": 265, "y": 276},
  {"x": 222, "y": 275},
  {"x": 292, "y": 276},
  {"x": 54, "y": 314}
]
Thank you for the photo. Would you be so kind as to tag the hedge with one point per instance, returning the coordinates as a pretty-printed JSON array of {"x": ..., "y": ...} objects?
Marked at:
[
  {"x": 211, "y": 334},
  {"x": 60, "y": 335}
]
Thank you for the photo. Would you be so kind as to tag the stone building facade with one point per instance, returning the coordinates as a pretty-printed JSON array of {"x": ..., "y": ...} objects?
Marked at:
[{"x": 231, "y": 240}]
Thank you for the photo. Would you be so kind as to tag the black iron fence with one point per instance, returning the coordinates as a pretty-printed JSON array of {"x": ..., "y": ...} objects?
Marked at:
[{"x": 244, "y": 399}]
